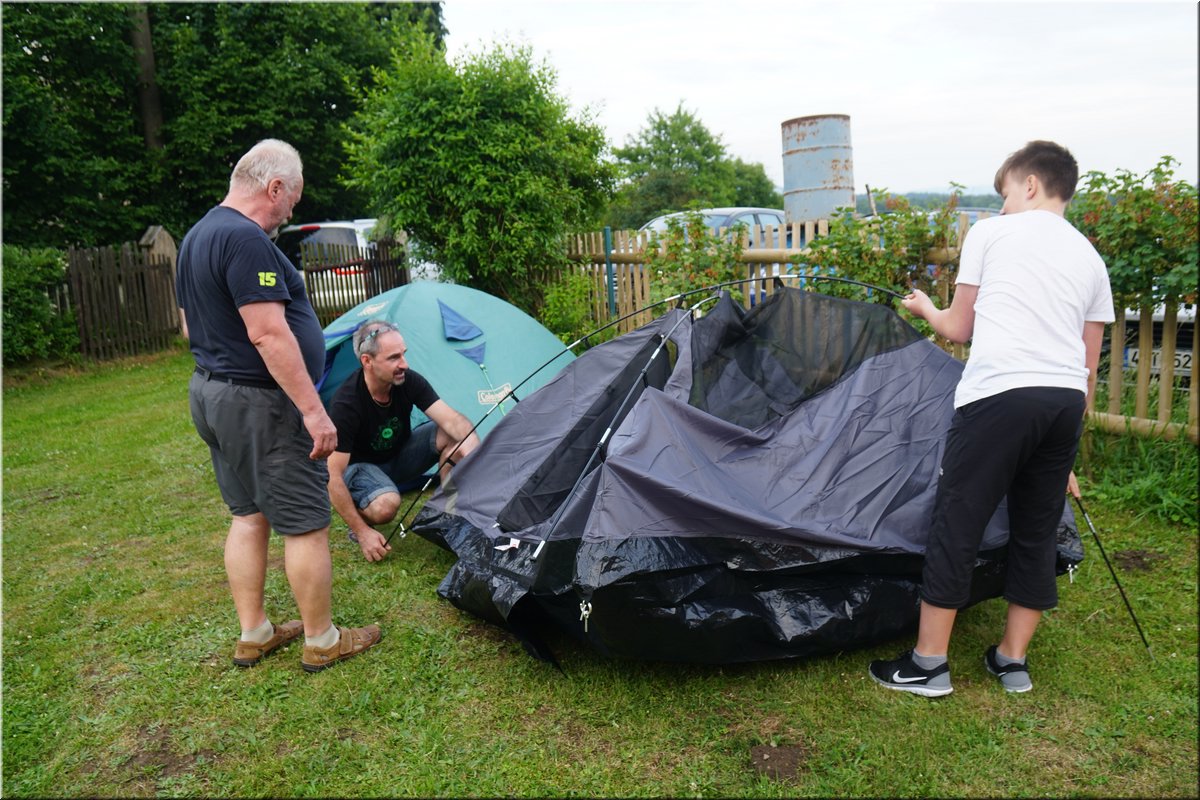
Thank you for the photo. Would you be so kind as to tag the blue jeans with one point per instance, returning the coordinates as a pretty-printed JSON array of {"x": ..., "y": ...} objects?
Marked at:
[{"x": 368, "y": 481}]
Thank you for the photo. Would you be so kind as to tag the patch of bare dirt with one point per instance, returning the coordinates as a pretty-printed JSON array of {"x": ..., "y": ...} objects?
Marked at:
[
  {"x": 50, "y": 495},
  {"x": 1137, "y": 560},
  {"x": 97, "y": 679},
  {"x": 487, "y": 632},
  {"x": 154, "y": 750},
  {"x": 782, "y": 762}
]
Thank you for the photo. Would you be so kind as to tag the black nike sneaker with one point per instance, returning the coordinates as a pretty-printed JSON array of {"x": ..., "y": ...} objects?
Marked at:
[
  {"x": 904, "y": 675},
  {"x": 1013, "y": 677}
]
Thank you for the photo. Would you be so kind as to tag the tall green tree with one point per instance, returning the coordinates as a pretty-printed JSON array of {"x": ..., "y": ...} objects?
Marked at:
[
  {"x": 79, "y": 163},
  {"x": 74, "y": 156},
  {"x": 752, "y": 187},
  {"x": 481, "y": 162},
  {"x": 675, "y": 162},
  {"x": 234, "y": 73}
]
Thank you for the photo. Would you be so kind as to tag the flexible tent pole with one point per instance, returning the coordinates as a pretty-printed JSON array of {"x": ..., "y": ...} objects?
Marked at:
[{"x": 1113, "y": 572}]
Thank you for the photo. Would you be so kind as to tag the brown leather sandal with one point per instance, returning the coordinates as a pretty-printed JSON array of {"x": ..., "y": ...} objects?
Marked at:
[
  {"x": 351, "y": 642},
  {"x": 247, "y": 654}
]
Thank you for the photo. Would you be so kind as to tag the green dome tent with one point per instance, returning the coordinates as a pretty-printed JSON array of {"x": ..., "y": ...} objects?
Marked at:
[{"x": 471, "y": 346}]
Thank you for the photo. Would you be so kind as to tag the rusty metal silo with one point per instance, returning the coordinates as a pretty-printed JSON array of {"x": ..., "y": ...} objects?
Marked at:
[{"x": 818, "y": 166}]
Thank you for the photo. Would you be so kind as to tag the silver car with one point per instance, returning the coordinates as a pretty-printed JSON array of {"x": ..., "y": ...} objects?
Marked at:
[{"x": 728, "y": 217}]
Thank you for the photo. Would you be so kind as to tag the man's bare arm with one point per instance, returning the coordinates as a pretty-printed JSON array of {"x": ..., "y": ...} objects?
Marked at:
[{"x": 269, "y": 332}]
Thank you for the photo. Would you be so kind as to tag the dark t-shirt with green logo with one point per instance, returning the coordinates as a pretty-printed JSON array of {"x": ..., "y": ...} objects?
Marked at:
[
  {"x": 370, "y": 432},
  {"x": 225, "y": 262}
]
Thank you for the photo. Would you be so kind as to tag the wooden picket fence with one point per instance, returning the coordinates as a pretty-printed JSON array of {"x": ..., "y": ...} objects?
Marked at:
[
  {"x": 124, "y": 300},
  {"x": 628, "y": 253},
  {"x": 1146, "y": 373},
  {"x": 124, "y": 304},
  {"x": 124, "y": 297}
]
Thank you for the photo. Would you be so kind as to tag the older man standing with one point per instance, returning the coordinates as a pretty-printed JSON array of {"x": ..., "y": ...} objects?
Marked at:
[{"x": 258, "y": 350}]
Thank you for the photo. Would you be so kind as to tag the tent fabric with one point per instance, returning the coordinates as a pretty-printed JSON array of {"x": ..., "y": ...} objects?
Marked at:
[
  {"x": 475, "y": 354},
  {"x": 436, "y": 319},
  {"x": 763, "y": 489},
  {"x": 455, "y": 326}
]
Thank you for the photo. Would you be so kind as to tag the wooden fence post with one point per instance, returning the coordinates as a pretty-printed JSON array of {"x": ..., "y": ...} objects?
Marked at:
[
  {"x": 1141, "y": 400},
  {"x": 1193, "y": 387},
  {"x": 1166, "y": 369},
  {"x": 1116, "y": 362}
]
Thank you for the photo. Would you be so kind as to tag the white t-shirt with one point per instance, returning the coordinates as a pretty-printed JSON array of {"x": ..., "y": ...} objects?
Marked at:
[{"x": 1039, "y": 280}]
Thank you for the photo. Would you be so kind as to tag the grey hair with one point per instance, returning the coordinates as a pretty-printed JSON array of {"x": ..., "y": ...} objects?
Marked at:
[
  {"x": 267, "y": 160},
  {"x": 366, "y": 338}
]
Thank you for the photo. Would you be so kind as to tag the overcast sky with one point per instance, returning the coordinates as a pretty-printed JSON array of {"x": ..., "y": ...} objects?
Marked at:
[{"x": 936, "y": 92}]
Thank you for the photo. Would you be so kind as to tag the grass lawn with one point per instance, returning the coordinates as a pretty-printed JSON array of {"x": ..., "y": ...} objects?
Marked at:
[{"x": 118, "y": 632}]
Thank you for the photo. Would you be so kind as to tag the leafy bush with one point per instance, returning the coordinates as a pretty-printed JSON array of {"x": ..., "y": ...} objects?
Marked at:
[
  {"x": 568, "y": 312},
  {"x": 33, "y": 327},
  {"x": 690, "y": 256},
  {"x": 481, "y": 161},
  {"x": 1145, "y": 227},
  {"x": 890, "y": 250}
]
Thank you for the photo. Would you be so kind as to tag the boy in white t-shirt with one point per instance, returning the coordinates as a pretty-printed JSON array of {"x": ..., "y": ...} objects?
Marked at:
[{"x": 1033, "y": 296}]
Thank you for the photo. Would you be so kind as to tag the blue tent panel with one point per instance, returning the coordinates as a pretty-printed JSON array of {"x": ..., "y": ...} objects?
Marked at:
[
  {"x": 474, "y": 353},
  {"x": 457, "y": 327}
]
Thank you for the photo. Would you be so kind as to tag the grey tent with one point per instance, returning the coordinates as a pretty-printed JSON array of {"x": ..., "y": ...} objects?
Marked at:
[{"x": 761, "y": 488}]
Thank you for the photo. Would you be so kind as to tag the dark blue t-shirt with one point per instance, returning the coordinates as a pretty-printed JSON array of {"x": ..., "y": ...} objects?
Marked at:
[{"x": 226, "y": 261}]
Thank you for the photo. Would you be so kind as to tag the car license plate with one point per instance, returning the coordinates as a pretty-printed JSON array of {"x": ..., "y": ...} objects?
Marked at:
[{"x": 1183, "y": 360}]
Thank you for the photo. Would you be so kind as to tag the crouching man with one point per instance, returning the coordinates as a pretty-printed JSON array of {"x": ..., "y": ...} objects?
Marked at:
[{"x": 377, "y": 449}]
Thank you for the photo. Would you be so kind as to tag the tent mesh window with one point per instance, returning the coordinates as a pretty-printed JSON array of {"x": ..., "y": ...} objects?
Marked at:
[{"x": 750, "y": 368}]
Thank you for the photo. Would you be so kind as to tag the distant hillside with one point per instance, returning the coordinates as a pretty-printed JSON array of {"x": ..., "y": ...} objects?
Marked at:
[{"x": 935, "y": 199}]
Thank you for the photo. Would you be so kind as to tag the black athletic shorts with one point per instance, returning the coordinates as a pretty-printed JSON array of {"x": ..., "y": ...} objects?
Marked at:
[{"x": 1020, "y": 443}]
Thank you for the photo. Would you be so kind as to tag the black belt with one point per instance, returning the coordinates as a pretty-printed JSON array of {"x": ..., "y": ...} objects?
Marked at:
[{"x": 209, "y": 375}]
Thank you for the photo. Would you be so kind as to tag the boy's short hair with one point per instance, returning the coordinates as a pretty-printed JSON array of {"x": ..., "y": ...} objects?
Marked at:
[{"x": 1053, "y": 164}]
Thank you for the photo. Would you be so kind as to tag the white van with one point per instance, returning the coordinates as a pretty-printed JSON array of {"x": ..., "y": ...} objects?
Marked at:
[
  {"x": 323, "y": 247},
  {"x": 353, "y": 233}
]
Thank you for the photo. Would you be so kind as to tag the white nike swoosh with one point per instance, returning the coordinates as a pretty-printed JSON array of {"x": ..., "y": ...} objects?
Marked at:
[{"x": 897, "y": 679}]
